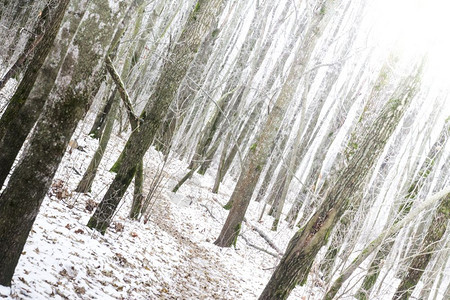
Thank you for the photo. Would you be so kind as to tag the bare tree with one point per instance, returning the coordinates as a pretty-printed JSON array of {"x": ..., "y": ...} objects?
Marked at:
[
  {"x": 198, "y": 25},
  {"x": 303, "y": 247}
]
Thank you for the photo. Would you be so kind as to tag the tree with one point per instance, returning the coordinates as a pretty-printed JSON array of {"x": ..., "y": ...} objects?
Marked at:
[
  {"x": 20, "y": 115},
  {"x": 200, "y": 22},
  {"x": 260, "y": 150},
  {"x": 419, "y": 263},
  {"x": 413, "y": 190},
  {"x": 76, "y": 85},
  {"x": 442, "y": 197},
  {"x": 304, "y": 246}
]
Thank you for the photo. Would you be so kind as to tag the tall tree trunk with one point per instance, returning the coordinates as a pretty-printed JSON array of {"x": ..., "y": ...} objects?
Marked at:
[
  {"x": 29, "y": 98},
  {"x": 260, "y": 150},
  {"x": 198, "y": 25},
  {"x": 418, "y": 265},
  {"x": 413, "y": 190},
  {"x": 75, "y": 87},
  {"x": 443, "y": 195},
  {"x": 13, "y": 119},
  {"x": 85, "y": 184},
  {"x": 304, "y": 246}
]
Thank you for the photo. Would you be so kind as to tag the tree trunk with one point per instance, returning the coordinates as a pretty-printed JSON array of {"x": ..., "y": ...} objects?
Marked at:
[
  {"x": 260, "y": 150},
  {"x": 413, "y": 190},
  {"x": 85, "y": 184},
  {"x": 82, "y": 68},
  {"x": 199, "y": 23},
  {"x": 303, "y": 247},
  {"x": 17, "y": 121},
  {"x": 100, "y": 120},
  {"x": 138, "y": 195},
  {"x": 418, "y": 265},
  {"x": 443, "y": 196}
]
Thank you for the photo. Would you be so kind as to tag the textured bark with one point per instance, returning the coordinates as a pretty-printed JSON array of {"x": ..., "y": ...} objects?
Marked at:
[
  {"x": 75, "y": 87},
  {"x": 260, "y": 150},
  {"x": 304, "y": 246},
  {"x": 17, "y": 121},
  {"x": 173, "y": 72}
]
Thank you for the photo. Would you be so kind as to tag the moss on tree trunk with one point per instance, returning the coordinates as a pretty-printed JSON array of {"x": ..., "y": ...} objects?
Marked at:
[
  {"x": 67, "y": 105},
  {"x": 172, "y": 74}
]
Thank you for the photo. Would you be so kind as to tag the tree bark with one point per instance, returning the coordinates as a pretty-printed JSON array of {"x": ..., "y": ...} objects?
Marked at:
[
  {"x": 29, "y": 98},
  {"x": 260, "y": 150},
  {"x": 304, "y": 246},
  {"x": 75, "y": 87},
  {"x": 17, "y": 121},
  {"x": 199, "y": 23}
]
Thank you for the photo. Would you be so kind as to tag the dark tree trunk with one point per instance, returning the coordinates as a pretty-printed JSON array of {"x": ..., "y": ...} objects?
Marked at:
[
  {"x": 199, "y": 23},
  {"x": 260, "y": 150},
  {"x": 85, "y": 184},
  {"x": 27, "y": 102},
  {"x": 302, "y": 249},
  {"x": 138, "y": 195},
  {"x": 82, "y": 66}
]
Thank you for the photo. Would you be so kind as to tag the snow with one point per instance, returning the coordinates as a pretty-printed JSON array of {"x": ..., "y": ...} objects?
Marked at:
[{"x": 172, "y": 256}]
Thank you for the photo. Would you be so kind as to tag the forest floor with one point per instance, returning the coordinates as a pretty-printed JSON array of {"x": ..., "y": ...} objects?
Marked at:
[{"x": 172, "y": 256}]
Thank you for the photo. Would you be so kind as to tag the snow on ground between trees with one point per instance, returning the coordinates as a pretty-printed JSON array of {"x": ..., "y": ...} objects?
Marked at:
[{"x": 172, "y": 256}]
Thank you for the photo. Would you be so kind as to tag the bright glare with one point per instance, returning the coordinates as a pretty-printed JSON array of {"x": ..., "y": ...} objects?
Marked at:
[{"x": 413, "y": 28}]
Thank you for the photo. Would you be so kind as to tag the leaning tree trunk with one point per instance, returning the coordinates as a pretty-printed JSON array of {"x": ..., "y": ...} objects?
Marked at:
[
  {"x": 260, "y": 150},
  {"x": 443, "y": 195},
  {"x": 413, "y": 190},
  {"x": 304, "y": 246},
  {"x": 44, "y": 28},
  {"x": 85, "y": 183},
  {"x": 16, "y": 123},
  {"x": 109, "y": 112},
  {"x": 198, "y": 25},
  {"x": 418, "y": 265},
  {"x": 75, "y": 87}
]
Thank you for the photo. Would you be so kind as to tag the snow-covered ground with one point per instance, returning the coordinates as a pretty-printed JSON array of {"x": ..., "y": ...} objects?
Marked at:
[{"x": 172, "y": 256}]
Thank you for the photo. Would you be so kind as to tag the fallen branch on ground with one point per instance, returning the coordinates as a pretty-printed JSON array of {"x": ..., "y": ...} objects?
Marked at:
[{"x": 259, "y": 248}]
